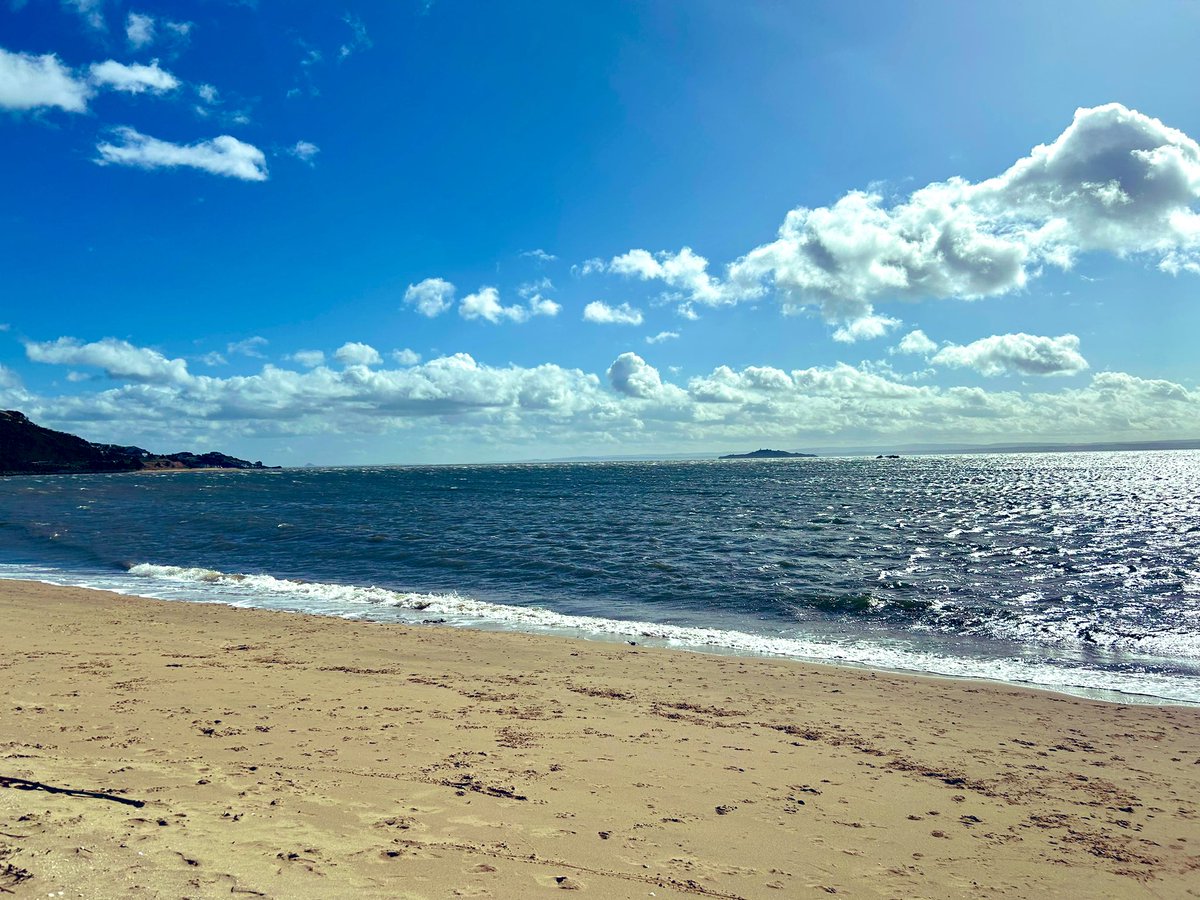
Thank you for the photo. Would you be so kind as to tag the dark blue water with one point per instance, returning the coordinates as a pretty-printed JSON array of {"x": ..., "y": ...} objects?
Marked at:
[{"x": 1077, "y": 571}]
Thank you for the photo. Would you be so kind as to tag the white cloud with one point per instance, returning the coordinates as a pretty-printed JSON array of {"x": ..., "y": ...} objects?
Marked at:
[
  {"x": 485, "y": 304},
  {"x": 539, "y": 255},
  {"x": 685, "y": 270},
  {"x": 536, "y": 303},
  {"x": 310, "y": 359},
  {"x": 431, "y": 297},
  {"x": 118, "y": 359},
  {"x": 634, "y": 377},
  {"x": 32, "y": 82},
  {"x": 661, "y": 337},
  {"x": 304, "y": 151},
  {"x": 353, "y": 353},
  {"x": 546, "y": 405},
  {"x": 406, "y": 357},
  {"x": 143, "y": 30},
  {"x": 214, "y": 358},
  {"x": 1026, "y": 354},
  {"x": 133, "y": 79},
  {"x": 91, "y": 11},
  {"x": 139, "y": 30},
  {"x": 251, "y": 346},
  {"x": 208, "y": 93},
  {"x": 916, "y": 342},
  {"x": 359, "y": 40},
  {"x": 222, "y": 155},
  {"x": 590, "y": 267},
  {"x": 12, "y": 391},
  {"x": 1115, "y": 181},
  {"x": 865, "y": 328},
  {"x": 541, "y": 306},
  {"x": 602, "y": 314}
]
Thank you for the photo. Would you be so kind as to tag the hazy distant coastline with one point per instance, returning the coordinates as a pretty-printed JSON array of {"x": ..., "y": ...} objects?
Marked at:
[{"x": 910, "y": 449}]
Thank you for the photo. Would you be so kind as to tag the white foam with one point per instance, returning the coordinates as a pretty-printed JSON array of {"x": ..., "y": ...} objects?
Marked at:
[
  {"x": 339, "y": 599},
  {"x": 383, "y": 604}
]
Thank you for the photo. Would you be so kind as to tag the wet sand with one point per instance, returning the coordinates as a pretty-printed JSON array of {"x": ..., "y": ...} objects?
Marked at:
[{"x": 282, "y": 755}]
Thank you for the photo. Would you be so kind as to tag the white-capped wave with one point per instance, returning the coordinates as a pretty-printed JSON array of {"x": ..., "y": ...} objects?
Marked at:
[{"x": 375, "y": 603}]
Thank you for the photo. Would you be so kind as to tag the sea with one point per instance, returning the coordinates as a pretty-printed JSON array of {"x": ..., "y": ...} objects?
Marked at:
[{"x": 1078, "y": 572}]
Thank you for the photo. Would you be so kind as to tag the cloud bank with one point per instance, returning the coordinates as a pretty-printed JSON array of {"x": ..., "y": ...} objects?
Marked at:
[
  {"x": 632, "y": 406},
  {"x": 1115, "y": 181}
]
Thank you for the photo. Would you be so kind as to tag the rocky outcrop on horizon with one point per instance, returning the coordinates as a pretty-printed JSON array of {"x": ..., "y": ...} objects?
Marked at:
[
  {"x": 29, "y": 449},
  {"x": 768, "y": 454}
]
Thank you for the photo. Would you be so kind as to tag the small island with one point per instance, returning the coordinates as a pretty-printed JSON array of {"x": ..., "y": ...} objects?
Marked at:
[
  {"x": 30, "y": 449},
  {"x": 768, "y": 454}
]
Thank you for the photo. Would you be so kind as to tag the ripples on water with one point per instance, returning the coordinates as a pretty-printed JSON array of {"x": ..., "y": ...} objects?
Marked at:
[{"x": 1090, "y": 560}]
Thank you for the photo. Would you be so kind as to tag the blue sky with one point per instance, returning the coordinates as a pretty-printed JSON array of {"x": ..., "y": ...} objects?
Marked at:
[{"x": 448, "y": 231}]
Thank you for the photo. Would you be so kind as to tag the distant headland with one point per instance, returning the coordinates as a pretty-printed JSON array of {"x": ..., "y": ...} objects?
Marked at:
[
  {"x": 29, "y": 449},
  {"x": 768, "y": 454}
]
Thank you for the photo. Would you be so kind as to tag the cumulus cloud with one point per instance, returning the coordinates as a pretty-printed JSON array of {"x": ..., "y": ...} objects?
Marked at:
[
  {"x": 430, "y": 297},
  {"x": 634, "y": 377},
  {"x": 539, "y": 255},
  {"x": 485, "y": 304},
  {"x": 685, "y": 270},
  {"x": 33, "y": 82},
  {"x": 406, "y": 357},
  {"x": 213, "y": 358},
  {"x": 1115, "y": 181},
  {"x": 916, "y": 342},
  {"x": 602, "y": 314},
  {"x": 540, "y": 405},
  {"x": 353, "y": 353},
  {"x": 119, "y": 359},
  {"x": 310, "y": 359},
  {"x": 139, "y": 30},
  {"x": 134, "y": 78},
  {"x": 223, "y": 155},
  {"x": 1025, "y": 354},
  {"x": 865, "y": 328}
]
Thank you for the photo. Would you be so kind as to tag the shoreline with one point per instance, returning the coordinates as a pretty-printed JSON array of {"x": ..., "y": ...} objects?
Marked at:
[
  {"x": 603, "y": 630},
  {"x": 297, "y": 755}
]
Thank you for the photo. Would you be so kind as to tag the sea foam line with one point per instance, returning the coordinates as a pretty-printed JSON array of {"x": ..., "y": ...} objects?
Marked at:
[{"x": 342, "y": 599}]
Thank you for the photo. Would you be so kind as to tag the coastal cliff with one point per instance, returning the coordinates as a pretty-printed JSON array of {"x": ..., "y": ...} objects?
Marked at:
[{"x": 30, "y": 449}]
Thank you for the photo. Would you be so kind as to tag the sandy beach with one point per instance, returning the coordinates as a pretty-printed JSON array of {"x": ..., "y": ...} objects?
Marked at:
[{"x": 199, "y": 751}]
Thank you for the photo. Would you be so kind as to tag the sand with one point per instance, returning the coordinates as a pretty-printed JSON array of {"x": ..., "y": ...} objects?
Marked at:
[{"x": 282, "y": 755}]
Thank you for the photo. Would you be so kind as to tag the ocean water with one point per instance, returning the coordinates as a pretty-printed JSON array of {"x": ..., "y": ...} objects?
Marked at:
[{"x": 1079, "y": 572}]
